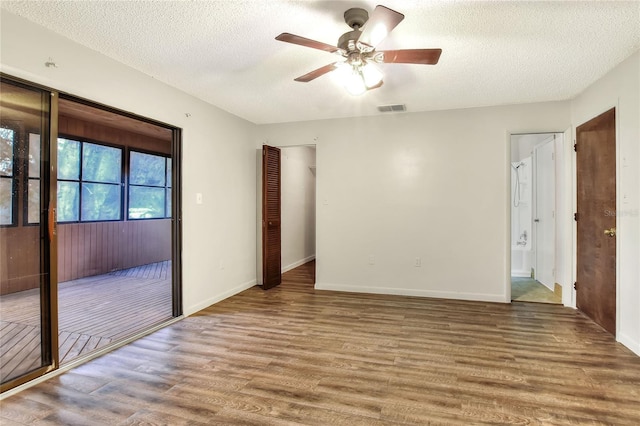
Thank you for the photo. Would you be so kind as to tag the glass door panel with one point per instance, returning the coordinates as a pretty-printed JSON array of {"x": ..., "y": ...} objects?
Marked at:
[{"x": 25, "y": 305}]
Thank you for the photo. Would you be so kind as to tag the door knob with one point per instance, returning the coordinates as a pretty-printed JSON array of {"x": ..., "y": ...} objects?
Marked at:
[{"x": 610, "y": 232}]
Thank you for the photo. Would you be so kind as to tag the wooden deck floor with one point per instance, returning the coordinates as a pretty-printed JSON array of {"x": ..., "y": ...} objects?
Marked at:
[
  {"x": 93, "y": 312},
  {"x": 292, "y": 355}
]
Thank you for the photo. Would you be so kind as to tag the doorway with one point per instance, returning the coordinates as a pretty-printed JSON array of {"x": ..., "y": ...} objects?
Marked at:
[
  {"x": 533, "y": 217},
  {"x": 71, "y": 189},
  {"x": 297, "y": 169},
  {"x": 298, "y": 207},
  {"x": 114, "y": 218}
]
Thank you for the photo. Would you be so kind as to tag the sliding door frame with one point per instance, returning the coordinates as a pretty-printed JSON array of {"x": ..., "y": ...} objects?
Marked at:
[
  {"x": 176, "y": 221},
  {"x": 48, "y": 246},
  {"x": 49, "y": 250},
  {"x": 176, "y": 194}
]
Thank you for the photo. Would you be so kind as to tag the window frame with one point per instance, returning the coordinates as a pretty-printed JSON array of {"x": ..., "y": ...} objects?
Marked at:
[
  {"x": 80, "y": 181},
  {"x": 15, "y": 187},
  {"x": 168, "y": 184},
  {"x": 28, "y": 179}
]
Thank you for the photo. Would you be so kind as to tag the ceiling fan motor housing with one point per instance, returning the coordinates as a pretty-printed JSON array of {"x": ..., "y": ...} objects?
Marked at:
[{"x": 356, "y": 17}]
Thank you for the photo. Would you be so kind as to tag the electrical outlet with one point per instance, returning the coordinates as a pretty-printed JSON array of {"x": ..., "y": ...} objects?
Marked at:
[
  {"x": 372, "y": 259},
  {"x": 199, "y": 198},
  {"x": 418, "y": 262}
]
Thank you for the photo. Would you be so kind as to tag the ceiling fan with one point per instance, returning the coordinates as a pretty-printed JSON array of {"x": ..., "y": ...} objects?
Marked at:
[{"x": 358, "y": 72}]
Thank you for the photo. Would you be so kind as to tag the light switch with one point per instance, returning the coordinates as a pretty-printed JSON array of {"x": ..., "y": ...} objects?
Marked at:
[{"x": 199, "y": 198}]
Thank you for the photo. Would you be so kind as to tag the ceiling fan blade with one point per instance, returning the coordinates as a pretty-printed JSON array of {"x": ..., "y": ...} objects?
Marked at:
[
  {"x": 292, "y": 38},
  {"x": 411, "y": 56},
  {"x": 316, "y": 73},
  {"x": 379, "y": 25}
]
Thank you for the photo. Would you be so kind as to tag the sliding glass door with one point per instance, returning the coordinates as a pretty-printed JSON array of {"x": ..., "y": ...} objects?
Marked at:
[
  {"x": 89, "y": 228},
  {"x": 28, "y": 342}
]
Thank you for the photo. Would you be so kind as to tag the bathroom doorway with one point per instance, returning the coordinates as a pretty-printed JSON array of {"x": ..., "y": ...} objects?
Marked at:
[{"x": 533, "y": 217}]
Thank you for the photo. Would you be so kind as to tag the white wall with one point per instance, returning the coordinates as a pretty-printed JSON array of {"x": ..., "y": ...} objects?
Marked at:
[
  {"x": 298, "y": 206},
  {"x": 522, "y": 145},
  {"x": 433, "y": 186},
  {"x": 620, "y": 88},
  {"x": 218, "y": 152}
]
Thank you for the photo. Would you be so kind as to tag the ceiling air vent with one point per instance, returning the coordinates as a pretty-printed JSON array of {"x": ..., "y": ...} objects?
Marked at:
[{"x": 392, "y": 108}]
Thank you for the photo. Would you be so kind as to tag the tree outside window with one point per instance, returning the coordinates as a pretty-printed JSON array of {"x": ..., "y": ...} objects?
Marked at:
[
  {"x": 89, "y": 181},
  {"x": 149, "y": 186},
  {"x": 7, "y": 192}
]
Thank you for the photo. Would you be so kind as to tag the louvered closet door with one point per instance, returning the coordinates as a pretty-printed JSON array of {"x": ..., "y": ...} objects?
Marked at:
[{"x": 271, "y": 247}]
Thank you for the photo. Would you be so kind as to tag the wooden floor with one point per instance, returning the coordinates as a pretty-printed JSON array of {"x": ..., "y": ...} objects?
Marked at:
[
  {"x": 292, "y": 355},
  {"x": 93, "y": 312}
]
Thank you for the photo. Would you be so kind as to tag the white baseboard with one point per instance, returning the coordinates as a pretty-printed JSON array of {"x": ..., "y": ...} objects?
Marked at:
[
  {"x": 298, "y": 263},
  {"x": 629, "y": 343},
  {"x": 218, "y": 298},
  {"x": 478, "y": 297},
  {"x": 521, "y": 274}
]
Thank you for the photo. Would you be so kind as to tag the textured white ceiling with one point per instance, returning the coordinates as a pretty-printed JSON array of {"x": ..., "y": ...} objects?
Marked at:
[{"x": 224, "y": 52}]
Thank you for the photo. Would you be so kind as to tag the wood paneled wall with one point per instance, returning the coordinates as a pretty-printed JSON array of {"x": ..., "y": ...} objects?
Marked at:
[{"x": 86, "y": 249}]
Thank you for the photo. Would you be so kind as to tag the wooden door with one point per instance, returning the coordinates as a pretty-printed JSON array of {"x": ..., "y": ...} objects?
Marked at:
[
  {"x": 596, "y": 250},
  {"x": 271, "y": 244}
]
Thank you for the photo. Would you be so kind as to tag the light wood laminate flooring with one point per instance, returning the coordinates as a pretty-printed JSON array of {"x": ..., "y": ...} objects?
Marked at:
[{"x": 292, "y": 355}]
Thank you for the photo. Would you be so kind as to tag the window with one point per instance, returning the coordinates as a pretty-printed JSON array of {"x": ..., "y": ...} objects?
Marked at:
[
  {"x": 7, "y": 177},
  {"x": 89, "y": 182},
  {"x": 149, "y": 186},
  {"x": 90, "y": 177}
]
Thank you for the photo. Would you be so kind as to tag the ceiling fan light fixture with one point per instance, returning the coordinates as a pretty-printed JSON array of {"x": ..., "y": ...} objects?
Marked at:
[
  {"x": 358, "y": 73},
  {"x": 354, "y": 83},
  {"x": 371, "y": 75},
  {"x": 357, "y": 78}
]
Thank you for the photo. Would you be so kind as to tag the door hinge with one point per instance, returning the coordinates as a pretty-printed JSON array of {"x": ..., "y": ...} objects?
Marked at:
[
  {"x": 575, "y": 286},
  {"x": 575, "y": 217},
  {"x": 575, "y": 147}
]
